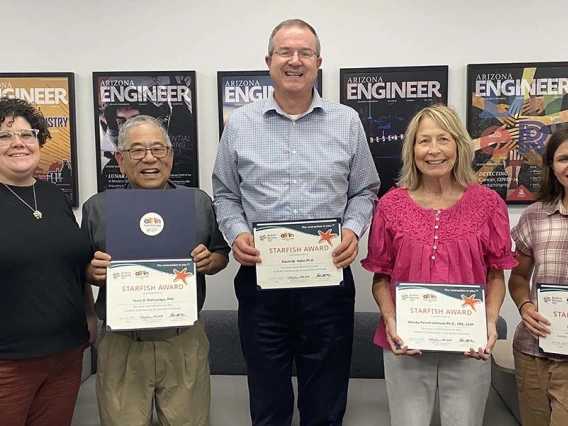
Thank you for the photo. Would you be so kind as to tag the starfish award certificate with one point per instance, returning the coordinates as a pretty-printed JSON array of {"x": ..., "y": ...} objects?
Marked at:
[
  {"x": 553, "y": 304},
  {"x": 441, "y": 317},
  {"x": 297, "y": 254},
  {"x": 151, "y": 282}
]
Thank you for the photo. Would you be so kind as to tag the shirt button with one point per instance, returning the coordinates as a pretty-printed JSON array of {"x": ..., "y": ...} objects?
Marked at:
[
  {"x": 436, "y": 227},
  {"x": 294, "y": 181},
  {"x": 293, "y": 152},
  {"x": 437, "y": 219},
  {"x": 435, "y": 247},
  {"x": 295, "y": 211},
  {"x": 435, "y": 237},
  {"x": 433, "y": 257}
]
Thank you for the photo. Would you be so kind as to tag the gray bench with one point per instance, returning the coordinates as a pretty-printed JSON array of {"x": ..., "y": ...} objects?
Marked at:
[{"x": 367, "y": 398}]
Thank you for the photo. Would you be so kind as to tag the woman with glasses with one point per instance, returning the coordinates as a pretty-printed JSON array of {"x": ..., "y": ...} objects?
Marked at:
[
  {"x": 44, "y": 300},
  {"x": 541, "y": 239}
]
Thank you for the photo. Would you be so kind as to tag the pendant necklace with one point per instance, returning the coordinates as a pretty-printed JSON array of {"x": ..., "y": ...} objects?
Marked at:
[{"x": 37, "y": 214}]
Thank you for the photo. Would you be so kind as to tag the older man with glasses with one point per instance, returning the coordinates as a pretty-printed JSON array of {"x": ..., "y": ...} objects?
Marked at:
[{"x": 168, "y": 366}]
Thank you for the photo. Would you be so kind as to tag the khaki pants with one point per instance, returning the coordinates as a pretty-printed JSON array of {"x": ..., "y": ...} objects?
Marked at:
[
  {"x": 174, "y": 372},
  {"x": 543, "y": 390}
]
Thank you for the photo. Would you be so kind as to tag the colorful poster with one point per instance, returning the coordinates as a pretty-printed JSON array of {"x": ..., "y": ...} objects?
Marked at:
[
  {"x": 512, "y": 110},
  {"x": 53, "y": 94},
  {"x": 166, "y": 95},
  {"x": 238, "y": 88},
  {"x": 386, "y": 100}
]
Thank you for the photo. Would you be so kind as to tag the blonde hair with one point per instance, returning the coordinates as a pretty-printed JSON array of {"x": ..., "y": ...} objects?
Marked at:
[{"x": 410, "y": 177}]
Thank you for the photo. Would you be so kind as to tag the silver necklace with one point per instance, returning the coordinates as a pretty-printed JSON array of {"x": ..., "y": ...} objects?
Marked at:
[{"x": 37, "y": 214}]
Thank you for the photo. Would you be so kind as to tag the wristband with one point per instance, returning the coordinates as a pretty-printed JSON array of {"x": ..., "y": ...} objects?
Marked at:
[{"x": 523, "y": 304}]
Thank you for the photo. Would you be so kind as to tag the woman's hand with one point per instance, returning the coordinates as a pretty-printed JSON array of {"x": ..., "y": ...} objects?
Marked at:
[
  {"x": 93, "y": 325},
  {"x": 485, "y": 354},
  {"x": 534, "y": 321},
  {"x": 395, "y": 342}
]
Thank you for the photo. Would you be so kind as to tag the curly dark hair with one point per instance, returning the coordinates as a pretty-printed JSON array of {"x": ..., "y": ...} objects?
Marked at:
[{"x": 12, "y": 107}]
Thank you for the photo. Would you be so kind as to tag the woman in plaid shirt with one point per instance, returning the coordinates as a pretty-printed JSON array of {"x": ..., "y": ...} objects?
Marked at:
[{"x": 541, "y": 239}]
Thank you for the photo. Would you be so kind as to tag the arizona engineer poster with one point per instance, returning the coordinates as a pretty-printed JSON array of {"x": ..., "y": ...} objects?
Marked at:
[
  {"x": 53, "y": 94},
  {"x": 512, "y": 111},
  {"x": 168, "y": 96},
  {"x": 238, "y": 88},
  {"x": 386, "y": 100}
]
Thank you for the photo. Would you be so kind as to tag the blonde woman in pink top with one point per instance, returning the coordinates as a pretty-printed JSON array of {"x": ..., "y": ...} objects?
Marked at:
[{"x": 439, "y": 226}]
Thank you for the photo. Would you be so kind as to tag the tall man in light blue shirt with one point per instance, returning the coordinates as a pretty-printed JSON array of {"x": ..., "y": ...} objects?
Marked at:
[{"x": 295, "y": 156}]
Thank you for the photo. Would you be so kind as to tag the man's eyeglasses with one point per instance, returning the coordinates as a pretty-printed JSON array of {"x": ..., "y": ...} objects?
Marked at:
[
  {"x": 140, "y": 153},
  {"x": 289, "y": 53},
  {"x": 27, "y": 136}
]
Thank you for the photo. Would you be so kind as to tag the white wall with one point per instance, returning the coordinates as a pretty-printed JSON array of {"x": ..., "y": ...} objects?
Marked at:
[{"x": 207, "y": 36}]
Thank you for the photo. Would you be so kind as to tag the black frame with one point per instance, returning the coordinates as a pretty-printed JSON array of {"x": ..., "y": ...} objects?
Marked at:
[
  {"x": 245, "y": 75},
  {"x": 389, "y": 114},
  {"x": 525, "y": 172},
  {"x": 125, "y": 75},
  {"x": 73, "y": 193}
]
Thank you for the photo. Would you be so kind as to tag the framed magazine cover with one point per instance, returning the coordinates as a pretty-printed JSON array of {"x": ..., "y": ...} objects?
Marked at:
[
  {"x": 169, "y": 96},
  {"x": 238, "y": 88},
  {"x": 512, "y": 109},
  {"x": 54, "y": 94},
  {"x": 386, "y": 100}
]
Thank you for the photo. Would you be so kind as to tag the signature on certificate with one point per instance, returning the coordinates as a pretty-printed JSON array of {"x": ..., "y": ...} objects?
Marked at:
[{"x": 150, "y": 317}]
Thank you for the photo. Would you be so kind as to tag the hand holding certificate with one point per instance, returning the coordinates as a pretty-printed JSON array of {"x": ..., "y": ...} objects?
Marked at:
[
  {"x": 297, "y": 254},
  {"x": 441, "y": 317},
  {"x": 553, "y": 305}
]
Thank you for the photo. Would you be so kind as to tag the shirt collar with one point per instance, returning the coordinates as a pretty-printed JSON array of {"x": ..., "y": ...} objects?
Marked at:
[
  {"x": 552, "y": 208},
  {"x": 171, "y": 185},
  {"x": 317, "y": 103}
]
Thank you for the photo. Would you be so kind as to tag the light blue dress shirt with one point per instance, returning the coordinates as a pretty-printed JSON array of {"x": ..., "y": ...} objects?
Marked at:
[{"x": 271, "y": 167}]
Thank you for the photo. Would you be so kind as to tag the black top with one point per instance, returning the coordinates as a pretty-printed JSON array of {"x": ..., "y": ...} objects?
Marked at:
[{"x": 42, "y": 266}]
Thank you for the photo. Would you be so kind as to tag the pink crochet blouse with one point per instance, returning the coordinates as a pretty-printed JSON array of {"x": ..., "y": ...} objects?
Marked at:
[{"x": 455, "y": 245}]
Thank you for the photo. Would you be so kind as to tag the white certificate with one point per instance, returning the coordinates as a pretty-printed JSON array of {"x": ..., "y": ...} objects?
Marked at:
[
  {"x": 147, "y": 294},
  {"x": 553, "y": 304},
  {"x": 297, "y": 254},
  {"x": 441, "y": 317}
]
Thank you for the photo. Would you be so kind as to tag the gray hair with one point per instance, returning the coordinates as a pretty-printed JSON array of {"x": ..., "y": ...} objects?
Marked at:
[
  {"x": 138, "y": 121},
  {"x": 293, "y": 23}
]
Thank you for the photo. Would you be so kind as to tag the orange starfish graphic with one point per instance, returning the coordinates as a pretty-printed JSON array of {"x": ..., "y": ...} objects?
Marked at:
[
  {"x": 326, "y": 236},
  {"x": 470, "y": 301},
  {"x": 182, "y": 275}
]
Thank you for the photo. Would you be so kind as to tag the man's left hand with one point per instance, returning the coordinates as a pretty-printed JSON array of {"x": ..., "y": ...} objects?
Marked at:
[
  {"x": 202, "y": 258},
  {"x": 346, "y": 252}
]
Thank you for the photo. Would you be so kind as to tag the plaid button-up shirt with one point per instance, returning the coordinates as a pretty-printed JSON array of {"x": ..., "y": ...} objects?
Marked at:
[{"x": 542, "y": 233}]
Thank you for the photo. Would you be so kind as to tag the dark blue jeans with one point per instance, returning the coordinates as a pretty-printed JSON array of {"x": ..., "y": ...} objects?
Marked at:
[{"x": 311, "y": 327}]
